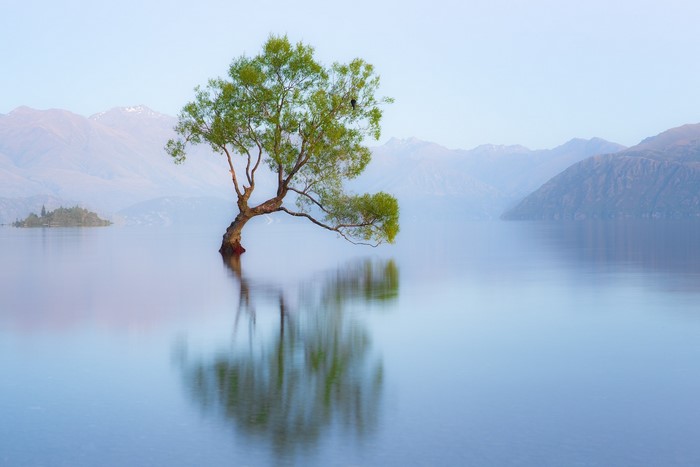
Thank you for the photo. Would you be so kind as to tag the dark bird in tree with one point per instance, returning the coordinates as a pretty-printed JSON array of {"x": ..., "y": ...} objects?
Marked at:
[{"x": 283, "y": 111}]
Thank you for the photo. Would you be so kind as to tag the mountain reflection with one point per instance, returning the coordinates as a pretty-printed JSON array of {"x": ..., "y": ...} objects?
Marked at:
[
  {"x": 314, "y": 373},
  {"x": 668, "y": 246}
]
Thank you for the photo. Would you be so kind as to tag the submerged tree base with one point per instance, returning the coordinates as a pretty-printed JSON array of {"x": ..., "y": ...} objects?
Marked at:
[
  {"x": 231, "y": 249},
  {"x": 231, "y": 241}
]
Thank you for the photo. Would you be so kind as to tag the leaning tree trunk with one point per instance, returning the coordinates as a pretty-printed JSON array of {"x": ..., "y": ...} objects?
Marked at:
[{"x": 231, "y": 243}]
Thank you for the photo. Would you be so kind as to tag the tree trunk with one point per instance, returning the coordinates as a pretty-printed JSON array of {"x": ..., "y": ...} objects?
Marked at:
[{"x": 231, "y": 243}]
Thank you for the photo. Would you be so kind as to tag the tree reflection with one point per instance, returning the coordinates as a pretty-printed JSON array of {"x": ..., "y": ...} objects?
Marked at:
[{"x": 315, "y": 373}]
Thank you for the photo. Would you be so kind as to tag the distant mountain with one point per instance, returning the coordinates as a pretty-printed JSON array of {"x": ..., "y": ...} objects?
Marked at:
[
  {"x": 106, "y": 162},
  {"x": 113, "y": 163},
  {"x": 658, "y": 178},
  {"x": 479, "y": 183}
]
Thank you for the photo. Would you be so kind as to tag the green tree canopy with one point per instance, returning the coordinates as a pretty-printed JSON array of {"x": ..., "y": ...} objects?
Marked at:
[{"x": 284, "y": 111}]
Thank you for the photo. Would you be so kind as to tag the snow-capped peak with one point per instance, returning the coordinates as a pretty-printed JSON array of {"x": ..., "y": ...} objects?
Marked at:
[
  {"x": 140, "y": 110},
  {"x": 137, "y": 109}
]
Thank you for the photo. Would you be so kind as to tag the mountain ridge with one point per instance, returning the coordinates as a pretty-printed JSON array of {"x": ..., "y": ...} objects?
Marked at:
[
  {"x": 658, "y": 178},
  {"x": 478, "y": 183},
  {"x": 107, "y": 162},
  {"x": 114, "y": 159}
]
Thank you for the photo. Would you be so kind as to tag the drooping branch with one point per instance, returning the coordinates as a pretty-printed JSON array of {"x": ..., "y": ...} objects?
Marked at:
[{"x": 338, "y": 228}]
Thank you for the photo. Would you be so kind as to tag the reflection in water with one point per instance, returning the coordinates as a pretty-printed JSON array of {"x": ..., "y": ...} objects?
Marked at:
[
  {"x": 668, "y": 247},
  {"x": 316, "y": 372}
]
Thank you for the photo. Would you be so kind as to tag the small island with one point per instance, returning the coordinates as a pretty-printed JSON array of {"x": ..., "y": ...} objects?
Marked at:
[{"x": 63, "y": 217}]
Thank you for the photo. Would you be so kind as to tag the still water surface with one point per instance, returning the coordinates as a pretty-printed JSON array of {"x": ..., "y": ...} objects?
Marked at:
[{"x": 465, "y": 344}]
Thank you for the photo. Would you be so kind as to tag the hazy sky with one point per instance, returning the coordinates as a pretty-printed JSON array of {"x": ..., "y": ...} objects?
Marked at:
[{"x": 463, "y": 73}]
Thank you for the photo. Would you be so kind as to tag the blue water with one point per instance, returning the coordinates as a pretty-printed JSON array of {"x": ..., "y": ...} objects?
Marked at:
[{"x": 487, "y": 343}]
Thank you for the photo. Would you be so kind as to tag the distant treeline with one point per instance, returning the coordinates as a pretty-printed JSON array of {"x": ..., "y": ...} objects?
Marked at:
[{"x": 63, "y": 217}]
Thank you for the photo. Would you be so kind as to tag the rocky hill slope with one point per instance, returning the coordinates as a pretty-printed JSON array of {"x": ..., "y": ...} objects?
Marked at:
[
  {"x": 479, "y": 183},
  {"x": 658, "y": 178}
]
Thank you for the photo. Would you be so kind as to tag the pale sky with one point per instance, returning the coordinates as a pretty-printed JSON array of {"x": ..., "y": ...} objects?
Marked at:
[{"x": 463, "y": 73}]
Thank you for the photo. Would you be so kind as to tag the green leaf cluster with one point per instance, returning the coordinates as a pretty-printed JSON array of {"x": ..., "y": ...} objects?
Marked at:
[{"x": 370, "y": 218}]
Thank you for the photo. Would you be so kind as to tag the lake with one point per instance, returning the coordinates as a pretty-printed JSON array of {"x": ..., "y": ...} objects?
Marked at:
[{"x": 484, "y": 343}]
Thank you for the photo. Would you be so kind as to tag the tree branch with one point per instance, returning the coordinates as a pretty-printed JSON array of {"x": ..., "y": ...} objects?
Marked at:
[
  {"x": 251, "y": 173},
  {"x": 336, "y": 229},
  {"x": 232, "y": 170},
  {"x": 312, "y": 199},
  {"x": 303, "y": 157},
  {"x": 280, "y": 179}
]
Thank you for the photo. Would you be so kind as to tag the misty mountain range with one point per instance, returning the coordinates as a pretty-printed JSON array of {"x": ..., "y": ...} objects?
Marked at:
[
  {"x": 114, "y": 164},
  {"x": 657, "y": 179},
  {"x": 107, "y": 162},
  {"x": 480, "y": 183}
]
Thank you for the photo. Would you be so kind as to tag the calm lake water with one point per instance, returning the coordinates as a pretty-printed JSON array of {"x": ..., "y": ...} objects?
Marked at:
[{"x": 486, "y": 343}]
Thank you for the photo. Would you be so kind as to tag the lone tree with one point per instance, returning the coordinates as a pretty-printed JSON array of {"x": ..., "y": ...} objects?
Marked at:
[{"x": 283, "y": 111}]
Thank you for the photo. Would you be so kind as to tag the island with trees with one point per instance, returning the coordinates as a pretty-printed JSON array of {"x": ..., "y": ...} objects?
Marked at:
[{"x": 63, "y": 217}]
